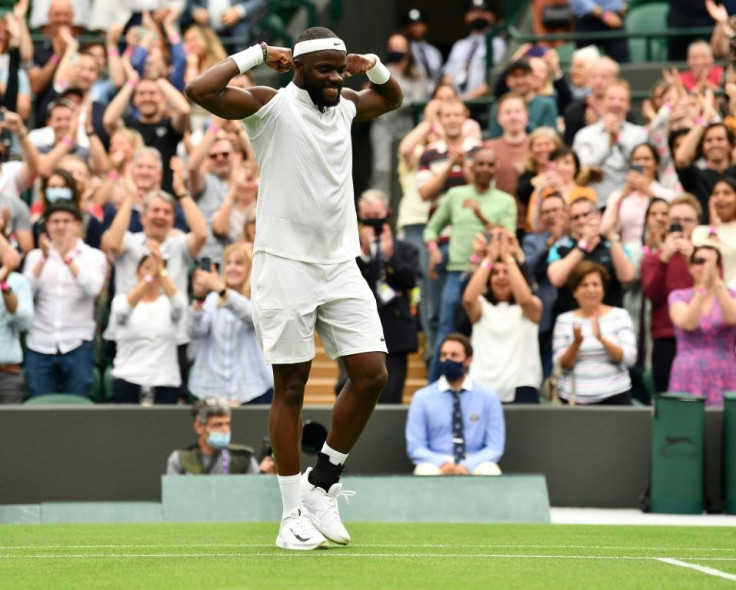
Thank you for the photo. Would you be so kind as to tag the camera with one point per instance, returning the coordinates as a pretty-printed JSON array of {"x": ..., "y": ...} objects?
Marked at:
[
  {"x": 376, "y": 223},
  {"x": 637, "y": 168},
  {"x": 205, "y": 263}
]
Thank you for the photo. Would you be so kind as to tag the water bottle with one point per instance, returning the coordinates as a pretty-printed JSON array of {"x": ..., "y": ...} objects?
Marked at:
[{"x": 146, "y": 396}]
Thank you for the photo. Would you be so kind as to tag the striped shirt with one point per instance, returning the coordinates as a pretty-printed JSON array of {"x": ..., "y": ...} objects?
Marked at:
[
  {"x": 596, "y": 375},
  {"x": 305, "y": 207}
]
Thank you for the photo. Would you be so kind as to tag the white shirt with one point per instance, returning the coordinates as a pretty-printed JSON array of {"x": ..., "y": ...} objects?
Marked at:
[
  {"x": 505, "y": 350},
  {"x": 10, "y": 179},
  {"x": 147, "y": 338},
  {"x": 305, "y": 207},
  {"x": 176, "y": 253},
  {"x": 65, "y": 306},
  {"x": 593, "y": 147}
]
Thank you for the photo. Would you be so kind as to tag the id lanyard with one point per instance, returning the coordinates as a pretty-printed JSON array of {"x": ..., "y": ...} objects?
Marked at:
[{"x": 225, "y": 462}]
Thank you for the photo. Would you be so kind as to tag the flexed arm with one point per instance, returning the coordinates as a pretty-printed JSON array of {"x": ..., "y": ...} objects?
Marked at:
[{"x": 211, "y": 91}]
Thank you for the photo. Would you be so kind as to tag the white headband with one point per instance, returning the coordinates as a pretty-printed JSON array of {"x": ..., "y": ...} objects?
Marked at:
[{"x": 318, "y": 45}]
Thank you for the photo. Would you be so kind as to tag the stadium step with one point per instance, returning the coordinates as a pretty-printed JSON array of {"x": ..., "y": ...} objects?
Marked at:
[{"x": 320, "y": 389}]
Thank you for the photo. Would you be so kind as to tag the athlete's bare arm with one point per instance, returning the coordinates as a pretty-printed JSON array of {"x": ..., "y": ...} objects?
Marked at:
[
  {"x": 376, "y": 100},
  {"x": 211, "y": 91}
]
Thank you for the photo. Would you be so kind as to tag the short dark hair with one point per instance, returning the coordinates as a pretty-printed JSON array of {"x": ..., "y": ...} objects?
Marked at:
[
  {"x": 462, "y": 339},
  {"x": 561, "y": 152},
  {"x": 583, "y": 269},
  {"x": 315, "y": 33},
  {"x": 719, "y": 262}
]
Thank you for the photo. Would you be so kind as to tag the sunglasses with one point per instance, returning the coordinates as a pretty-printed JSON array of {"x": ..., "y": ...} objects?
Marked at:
[
  {"x": 698, "y": 260},
  {"x": 581, "y": 216},
  {"x": 220, "y": 155}
]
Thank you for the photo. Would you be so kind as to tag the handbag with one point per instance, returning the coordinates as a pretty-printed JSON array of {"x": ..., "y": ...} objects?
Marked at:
[
  {"x": 556, "y": 16},
  {"x": 550, "y": 386}
]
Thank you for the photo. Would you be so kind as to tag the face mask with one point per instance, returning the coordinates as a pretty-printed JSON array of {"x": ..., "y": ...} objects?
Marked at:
[
  {"x": 478, "y": 24},
  {"x": 452, "y": 370},
  {"x": 58, "y": 193},
  {"x": 395, "y": 56},
  {"x": 218, "y": 440}
]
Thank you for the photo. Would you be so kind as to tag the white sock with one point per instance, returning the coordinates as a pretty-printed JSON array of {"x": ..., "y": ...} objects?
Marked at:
[
  {"x": 336, "y": 457},
  {"x": 291, "y": 492}
]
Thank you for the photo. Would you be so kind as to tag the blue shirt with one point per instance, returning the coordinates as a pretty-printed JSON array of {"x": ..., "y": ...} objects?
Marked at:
[
  {"x": 584, "y": 7},
  {"x": 429, "y": 425},
  {"x": 229, "y": 362},
  {"x": 11, "y": 325}
]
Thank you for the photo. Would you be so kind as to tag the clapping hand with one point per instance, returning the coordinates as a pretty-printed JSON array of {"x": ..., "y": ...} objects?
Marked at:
[
  {"x": 577, "y": 334},
  {"x": 596, "y": 326},
  {"x": 205, "y": 281}
]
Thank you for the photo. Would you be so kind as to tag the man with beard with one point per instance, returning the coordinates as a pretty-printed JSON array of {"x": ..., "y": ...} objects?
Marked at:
[{"x": 304, "y": 272}]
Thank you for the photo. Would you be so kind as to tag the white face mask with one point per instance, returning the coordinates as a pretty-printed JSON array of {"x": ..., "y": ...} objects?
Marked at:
[{"x": 58, "y": 193}]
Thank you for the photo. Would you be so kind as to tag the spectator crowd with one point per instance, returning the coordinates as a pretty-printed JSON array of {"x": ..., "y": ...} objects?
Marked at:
[{"x": 562, "y": 232}]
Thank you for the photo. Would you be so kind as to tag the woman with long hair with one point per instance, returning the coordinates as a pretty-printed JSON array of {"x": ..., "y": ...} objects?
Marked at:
[
  {"x": 505, "y": 315},
  {"x": 229, "y": 220},
  {"x": 229, "y": 361},
  {"x": 542, "y": 142}
]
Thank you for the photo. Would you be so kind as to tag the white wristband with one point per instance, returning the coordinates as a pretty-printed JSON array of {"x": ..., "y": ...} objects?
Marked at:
[
  {"x": 378, "y": 74},
  {"x": 248, "y": 58}
]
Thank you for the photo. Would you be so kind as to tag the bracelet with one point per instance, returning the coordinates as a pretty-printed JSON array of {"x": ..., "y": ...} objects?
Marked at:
[
  {"x": 4, "y": 287},
  {"x": 248, "y": 58},
  {"x": 583, "y": 245},
  {"x": 113, "y": 53},
  {"x": 54, "y": 59},
  {"x": 113, "y": 175},
  {"x": 605, "y": 14},
  {"x": 148, "y": 278},
  {"x": 67, "y": 141},
  {"x": 131, "y": 82},
  {"x": 432, "y": 246},
  {"x": 474, "y": 258},
  {"x": 700, "y": 290},
  {"x": 213, "y": 129},
  {"x": 487, "y": 264},
  {"x": 223, "y": 292},
  {"x": 264, "y": 48},
  {"x": 174, "y": 39},
  {"x": 180, "y": 196},
  {"x": 68, "y": 260},
  {"x": 378, "y": 74},
  {"x": 712, "y": 230},
  {"x": 701, "y": 121}
]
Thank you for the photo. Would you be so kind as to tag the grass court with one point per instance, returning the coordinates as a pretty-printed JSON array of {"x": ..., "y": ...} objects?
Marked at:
[{"x": 411, "y": 556}]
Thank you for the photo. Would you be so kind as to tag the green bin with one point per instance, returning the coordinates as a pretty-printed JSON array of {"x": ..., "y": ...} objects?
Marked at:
[
  {"x": 729, "y": 450},
  {"x": 678, "y": 454}
]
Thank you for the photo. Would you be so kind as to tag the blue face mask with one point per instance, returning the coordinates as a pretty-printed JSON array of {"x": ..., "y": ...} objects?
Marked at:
[
  {"x": 58, "y": 193},
  {"x": 218, "y": 440},
  {"x": 452, "y": 370}
]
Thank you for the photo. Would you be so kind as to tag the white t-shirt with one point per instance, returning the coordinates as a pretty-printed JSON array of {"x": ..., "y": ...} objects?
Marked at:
[
  {"x": 174, "y": 249},
  {"x": 147, "y": 340},
  {"x": 505, "y": 350},
  {"x": 305, "y": 207}
]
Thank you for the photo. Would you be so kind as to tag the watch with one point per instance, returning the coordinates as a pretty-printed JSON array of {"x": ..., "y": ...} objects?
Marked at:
[
  {"x": 164, "y": 273},
  {"x": 223, "y": 292}
]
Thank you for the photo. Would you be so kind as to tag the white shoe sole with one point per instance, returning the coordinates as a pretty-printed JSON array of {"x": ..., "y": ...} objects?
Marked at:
[
  {"x": 284, "y": 545},
  {"x": 325, "y": 533}
]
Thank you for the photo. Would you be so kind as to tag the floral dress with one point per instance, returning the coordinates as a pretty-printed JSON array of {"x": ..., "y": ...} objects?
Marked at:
[{"x": 705, "y": 363}]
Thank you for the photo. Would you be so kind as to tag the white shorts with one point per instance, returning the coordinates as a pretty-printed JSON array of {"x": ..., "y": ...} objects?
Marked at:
[{"x": 291, "y": 298}]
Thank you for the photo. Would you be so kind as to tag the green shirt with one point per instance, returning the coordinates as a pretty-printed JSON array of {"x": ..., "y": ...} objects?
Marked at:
[{"x": 498, "y": 207}]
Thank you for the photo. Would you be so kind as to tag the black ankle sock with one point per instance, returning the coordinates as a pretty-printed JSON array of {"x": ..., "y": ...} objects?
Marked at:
[{"x": 325, "y": 473}]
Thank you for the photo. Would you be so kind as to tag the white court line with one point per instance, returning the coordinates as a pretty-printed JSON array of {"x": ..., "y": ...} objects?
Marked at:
[
  {"x": 340, "y": 553},
  {"x": 700, "y": 568},
  {"x": 385, "y": 545}
]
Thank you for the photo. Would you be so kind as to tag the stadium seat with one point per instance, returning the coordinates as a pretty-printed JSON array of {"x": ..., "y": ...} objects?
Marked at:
[
  {"x": 98, "y": 391},
  {"x": 58, "y": 399},
  {"x": 647, "y": 17},
  {"x": 107, "y": 383},
  {"x": 565, "y": 53}
]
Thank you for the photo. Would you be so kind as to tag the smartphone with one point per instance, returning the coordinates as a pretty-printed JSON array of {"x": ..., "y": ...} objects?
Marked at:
[
  {"x": 488, "y": 236},
  {"x": 205, "y": 263},
  {"x": 637, "y": 168},
  {"x": 537, "y": 51},
  {"x": 675, "y": 228},
  {"x": 42, "y": 226}
]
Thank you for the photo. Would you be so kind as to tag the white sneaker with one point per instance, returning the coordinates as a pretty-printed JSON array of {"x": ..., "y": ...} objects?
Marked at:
[
  {"x": 323, "y": 510},
  {"x": 298, "y": 533}
]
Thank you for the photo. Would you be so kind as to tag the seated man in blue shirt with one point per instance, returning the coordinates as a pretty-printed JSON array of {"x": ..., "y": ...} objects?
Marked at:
[{"x": 455, "y": 427}]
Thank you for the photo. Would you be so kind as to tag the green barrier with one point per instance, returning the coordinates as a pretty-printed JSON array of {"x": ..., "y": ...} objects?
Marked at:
[
  {"x": 729, "y": 450},
  {"x": 678, "y": 454}
]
